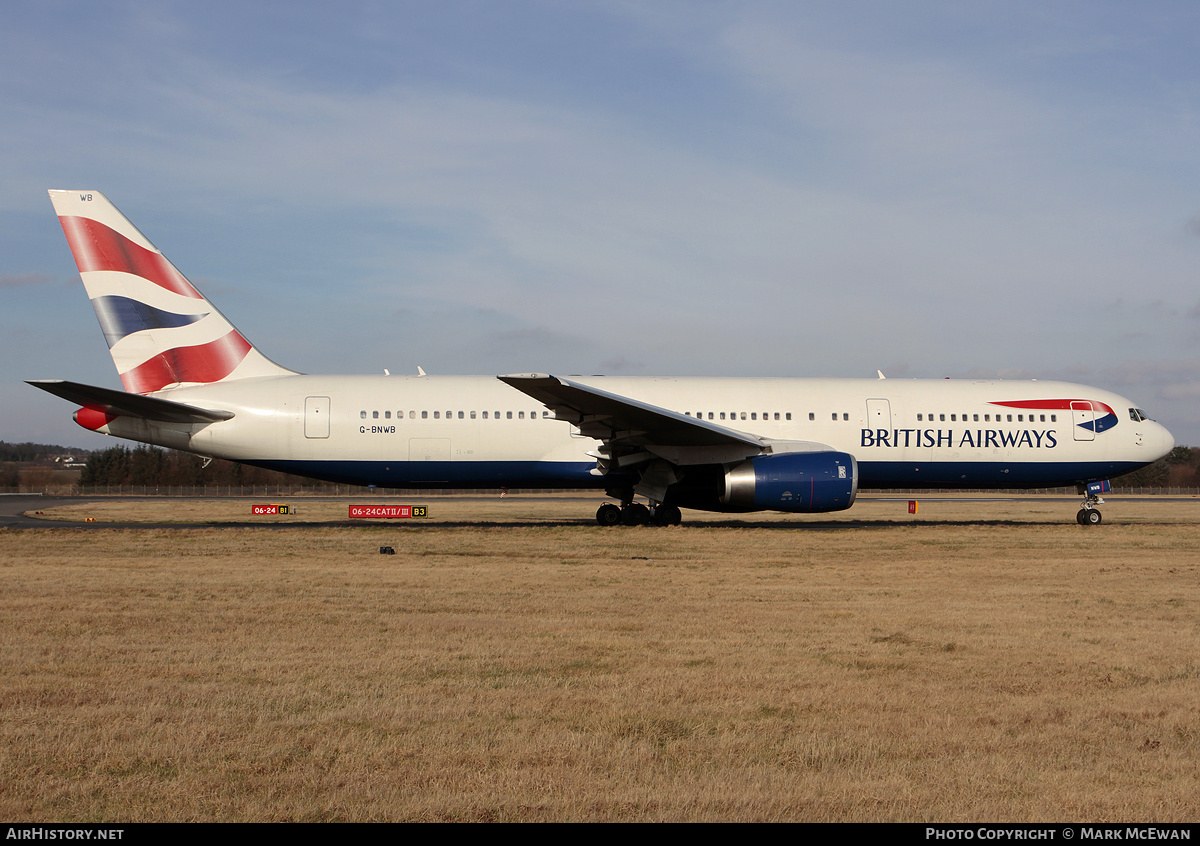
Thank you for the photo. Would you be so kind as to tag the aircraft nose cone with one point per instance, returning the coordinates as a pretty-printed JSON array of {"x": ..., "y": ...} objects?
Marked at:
[{"x": 1168, "y": 440}]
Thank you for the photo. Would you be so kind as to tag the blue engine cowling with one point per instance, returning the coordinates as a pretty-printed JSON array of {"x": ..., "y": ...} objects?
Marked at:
[{"x": 793, "y": 481}]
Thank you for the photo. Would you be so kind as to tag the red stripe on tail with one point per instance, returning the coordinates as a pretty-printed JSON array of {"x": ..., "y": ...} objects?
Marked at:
[
  {"x": 204, "y": 363},
  {"x": 97, "y": 247}
]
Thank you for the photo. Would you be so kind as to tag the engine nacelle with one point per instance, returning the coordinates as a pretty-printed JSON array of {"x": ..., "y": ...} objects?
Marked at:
[{"x": 793, "y": 481}]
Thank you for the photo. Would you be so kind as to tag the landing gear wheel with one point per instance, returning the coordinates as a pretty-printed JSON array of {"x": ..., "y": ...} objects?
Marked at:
[
  {"x": 608, "y": 515},
  {"x": 636, "y": 514},
  {"x": 667, "y": 515},
  {"x": 1089, "y": 517}
]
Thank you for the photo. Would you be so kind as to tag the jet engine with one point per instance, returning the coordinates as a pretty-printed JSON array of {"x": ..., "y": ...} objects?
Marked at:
[{"x": 792, "y": 481}]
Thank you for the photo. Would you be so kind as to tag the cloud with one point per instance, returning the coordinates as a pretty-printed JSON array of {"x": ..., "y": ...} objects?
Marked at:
[{"x": 24, "y": 280}]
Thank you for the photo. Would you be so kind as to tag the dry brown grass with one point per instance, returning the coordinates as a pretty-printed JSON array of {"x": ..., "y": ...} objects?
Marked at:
[
  {"x": 572, "y": 507},
  {"x": 1003, "y": 670}
]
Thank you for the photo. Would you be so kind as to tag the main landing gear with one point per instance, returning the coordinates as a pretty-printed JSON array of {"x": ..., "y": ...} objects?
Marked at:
[{"x": 636, "y": 514}]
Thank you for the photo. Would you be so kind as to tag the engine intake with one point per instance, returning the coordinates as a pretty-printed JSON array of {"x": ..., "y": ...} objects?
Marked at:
[{"x": 798, "y": 481}]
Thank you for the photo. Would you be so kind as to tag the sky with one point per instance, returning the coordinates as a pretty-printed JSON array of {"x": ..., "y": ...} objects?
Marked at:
[{"x": 652, "y": 188}]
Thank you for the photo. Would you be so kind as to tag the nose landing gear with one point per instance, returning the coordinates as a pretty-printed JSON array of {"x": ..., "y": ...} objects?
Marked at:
[{"x": 1089, "y": 515}]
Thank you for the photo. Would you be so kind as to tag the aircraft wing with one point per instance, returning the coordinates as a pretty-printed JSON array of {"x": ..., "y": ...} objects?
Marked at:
[
  {"x": 616, "y": 419},
  {"x": 120, "y": 403}
]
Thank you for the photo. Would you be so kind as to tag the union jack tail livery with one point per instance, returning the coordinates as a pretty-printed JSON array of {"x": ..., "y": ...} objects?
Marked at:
[{"x": 162, "y": 333}]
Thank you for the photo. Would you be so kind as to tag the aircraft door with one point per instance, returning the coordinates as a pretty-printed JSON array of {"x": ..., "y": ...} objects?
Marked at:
[
  {"x": 1083, "y": 421},
  {"x": 429, "y": 449},
  {"x": 879, "y": 414},
  {"x": 316, "y": 417},
  {"x": 429, "y": 460}
]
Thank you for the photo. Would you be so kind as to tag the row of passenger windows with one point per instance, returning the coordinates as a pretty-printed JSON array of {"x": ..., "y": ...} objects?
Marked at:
[
  {"x": 702, "y": 415},
  {"x": 462, "y": 415},
  {"x": 1000, "y": 418},
  {"x": 734, "y": 415}
]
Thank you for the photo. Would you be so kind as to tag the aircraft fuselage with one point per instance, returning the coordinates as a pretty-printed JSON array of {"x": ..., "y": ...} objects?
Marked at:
[{"x": 465, "y": 431}]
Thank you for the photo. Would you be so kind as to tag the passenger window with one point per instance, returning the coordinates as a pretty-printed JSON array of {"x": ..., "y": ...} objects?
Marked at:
[
  {"x": 520, "y": 415},
  {"x": 437, "y": 415},
  {"x": 387, "y": 415},
  {"x": 363, "y": 415},
  {"x": 473, "y": 415},
  {"x": 460, "y": 415},
  {"x": 374, "y": 415},
  {"x": 845, "y": 416},
  {"x": 508, "y": 415},
  {"x": 789, "y": 415},
  {"x": 424, "y": 415},
  {"x": 812, "y": 416}
]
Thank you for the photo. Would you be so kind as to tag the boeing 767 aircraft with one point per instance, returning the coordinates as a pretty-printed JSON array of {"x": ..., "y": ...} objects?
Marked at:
[{"x": 193, "y": 382}]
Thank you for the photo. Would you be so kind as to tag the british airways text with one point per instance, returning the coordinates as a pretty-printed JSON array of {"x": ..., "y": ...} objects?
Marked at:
[{"x": 972, "y": 438}]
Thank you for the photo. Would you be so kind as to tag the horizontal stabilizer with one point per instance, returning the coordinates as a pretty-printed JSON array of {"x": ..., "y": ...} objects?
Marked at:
[{"x": 120, "y": 403}]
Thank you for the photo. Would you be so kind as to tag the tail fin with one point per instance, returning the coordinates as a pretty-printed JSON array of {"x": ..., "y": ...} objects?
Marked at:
[{"x": 162, "y": 333}]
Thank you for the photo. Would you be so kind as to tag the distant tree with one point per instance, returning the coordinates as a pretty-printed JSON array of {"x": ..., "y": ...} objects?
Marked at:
[
  {"x": 106, "y": 467},
  {"x": 10, "y": 474},
  {"x": 151, "y": 466},
  {"x": 146, "y": 466},
  {"x": 34, "y": 452},
  {"x": 1184, "y": 470},
  {"x": 1182, "y": 455},
  {"x": 1153, "y": 475}
]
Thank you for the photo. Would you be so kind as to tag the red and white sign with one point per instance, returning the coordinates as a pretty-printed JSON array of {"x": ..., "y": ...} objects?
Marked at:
[{"x": 387, "y": 511}]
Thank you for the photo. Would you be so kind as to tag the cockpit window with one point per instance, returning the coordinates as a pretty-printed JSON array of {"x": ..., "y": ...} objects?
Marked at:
[{"x": 1137, "y": 415}]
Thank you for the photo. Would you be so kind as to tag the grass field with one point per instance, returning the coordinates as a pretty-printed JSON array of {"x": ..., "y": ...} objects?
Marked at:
[{"x": 978, "y": 662}]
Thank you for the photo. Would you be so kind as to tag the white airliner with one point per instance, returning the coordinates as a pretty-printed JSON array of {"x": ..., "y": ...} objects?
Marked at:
[{"x": 193, "y": 382}]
